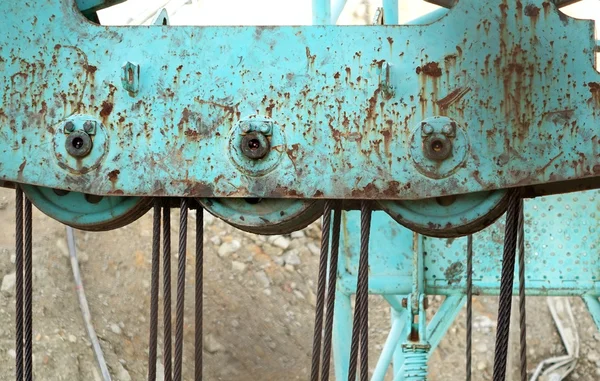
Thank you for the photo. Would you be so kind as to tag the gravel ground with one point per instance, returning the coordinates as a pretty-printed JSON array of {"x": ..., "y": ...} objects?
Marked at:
[{"x": 259, "y": 305}]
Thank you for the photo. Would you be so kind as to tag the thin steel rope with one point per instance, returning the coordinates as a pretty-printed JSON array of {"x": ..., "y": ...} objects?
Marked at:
[
  {"x": 469, "y": 305},
  {"x": 27, "y": 297},
  {"x": 19, "y": 284},
  {"x": 154, "y": 286},
  {"x": 506, "y": 286},
  {"x": 179, "y": 308},
  {"x": 363, "y": 288},
  {"x": 166, "y": 223},
  {"x": 325, "y": 234},
  {"x": 333, "y": 264},
  {"x": 198, "y": 293},
  {"x": 522, "y": 309}
]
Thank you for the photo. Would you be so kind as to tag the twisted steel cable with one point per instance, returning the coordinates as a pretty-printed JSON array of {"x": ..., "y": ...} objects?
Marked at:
[
  {"x": 325, "y": 234},
  {"x": 333, "y": 264},
  {"x": 198, "y": 293},
  {"x": 469, "y": 305},
  {"x": 153, "y": 339},
  {"x": 362, "y": 292},
  {"x": 179, "y": 308},
  {"x": 522, "y": 309},
  {"x": 166, "y": 224},
  {"x": 506, "y": 286},
  {"x": 19, "y": 284},
  {"x": 360, "y": 332},
  {"x": 27, "y": 297}
]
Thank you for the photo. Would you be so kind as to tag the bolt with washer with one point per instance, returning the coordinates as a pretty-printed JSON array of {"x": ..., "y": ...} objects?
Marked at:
[
  {"x": 69, "y": 127},
  {"x": 426, "y": 129}
]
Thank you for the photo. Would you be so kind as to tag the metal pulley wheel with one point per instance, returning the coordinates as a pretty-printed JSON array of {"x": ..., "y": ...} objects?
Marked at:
[
  {"x": 87, "y": 212},
  {"x": 264, "y": 216},
  {"x": 450, "y": 216}
]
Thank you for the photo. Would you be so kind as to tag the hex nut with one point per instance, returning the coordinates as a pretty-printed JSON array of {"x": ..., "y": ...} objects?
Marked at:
[
  {"x": 255, "y": 145},
  {"x": 78, "y": 144},
  {"x": 437, "y": 147}
]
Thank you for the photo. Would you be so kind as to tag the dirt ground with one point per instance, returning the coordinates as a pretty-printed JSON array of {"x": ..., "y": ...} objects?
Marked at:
[{"x": 259, "y": 305}]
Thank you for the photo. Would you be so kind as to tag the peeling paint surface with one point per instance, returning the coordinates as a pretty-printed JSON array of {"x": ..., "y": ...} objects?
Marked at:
[{"x": 347, "y": 101}]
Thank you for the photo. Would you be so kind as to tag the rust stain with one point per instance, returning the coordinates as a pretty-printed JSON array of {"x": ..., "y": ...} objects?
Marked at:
[
  {"x": 113, "y": 175},
  {"x": 532, "y": 11},
  {"x": 431, "y": 69},
  {"x": 106, "y": 109},
  {"x": 454, "y": 96}
]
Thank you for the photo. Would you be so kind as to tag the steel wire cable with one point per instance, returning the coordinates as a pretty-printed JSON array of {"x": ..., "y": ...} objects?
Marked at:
[
  {"x": 179, "y": 308},
  {"x": 198, "y": 293},
  {"x": 27, "y": 294},
  {"x": 360, "y": 324},
  {"x": 469, "y": 306},
  {"x": 318, "y": 328},
  {"x": 166, "y": 224},
  {"x": 506, "y": 287},
  {"x": 154, "y": 286},
  {"x": 522, "y": 307},
  {"x": 331, "y": 288},
  {"x": 19, "y": 284},
  {"x": 363, "y": 288}
]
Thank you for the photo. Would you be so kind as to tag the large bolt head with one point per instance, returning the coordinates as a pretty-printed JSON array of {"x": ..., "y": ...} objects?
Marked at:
[
  {"x": 78, "y": 144},
  {"x": 255, "y": 145},
  {"x": 437, "y": 147}
]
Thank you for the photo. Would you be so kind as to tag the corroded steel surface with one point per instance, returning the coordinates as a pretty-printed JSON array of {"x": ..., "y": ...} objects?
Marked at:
[{"x": 346, "y": 101}]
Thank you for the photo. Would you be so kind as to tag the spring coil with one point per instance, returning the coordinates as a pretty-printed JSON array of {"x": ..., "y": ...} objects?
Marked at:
[{"x": 415, "y": 365}]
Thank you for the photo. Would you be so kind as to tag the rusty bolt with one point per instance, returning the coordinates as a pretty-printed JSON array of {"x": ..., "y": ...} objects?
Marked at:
[
  {"x": 437, "y": 147},
  {"x": 255, "y": 145},
  {"x": 69, "y": 127},
  {"x": 425, "y": 303},
  {"x": 449, "y": 130},
  {"x": 404, "y": 302},
  {"x": 89, "y": 127},
  {"x": 78, "y": 144},
  {"x": 426, "y": 129}
]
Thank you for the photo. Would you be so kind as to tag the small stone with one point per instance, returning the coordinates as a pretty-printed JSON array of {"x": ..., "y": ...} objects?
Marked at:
[
  {"x": 13, "y": 258},
  {"x": 212, "y": 345},
  {"x": 272, "y": 344},
  {"x": 481, "y": 365},
  {"x": 235, "y": 323},
  {"x": 160, "y": 371},
  {"x": 267, "y": 291},
  {"x": 593, "y": 356},
  {"x": 115, "y": 329},
  {"x": 238, "y": 266},
  {"x": 280, "y": 241},
  {"x": 122, "y": 373},
  {"x": 299, "y": 294},
  {"x": 8, "y": 284},
  {"x": 228, "y": 248},
  {"x": 61, "y": 245},
  {"x": 12, "y": 353},
  {"x": 82, "y": 256},
  {"x": 597, "y": 336},
  {"x": 262, "y": 278},
  {"x": 481, "y": 347},
  {"x": 72, "y": 338},
  {"x": 215, "y": 240},
  {"x": 289, "y": 268},
  {"x": 298, "y": 234},
  {"x": 314, "y": 249},
  {"x": 311, "y": 297},
  {"x": 292, "y": 258}
]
